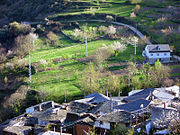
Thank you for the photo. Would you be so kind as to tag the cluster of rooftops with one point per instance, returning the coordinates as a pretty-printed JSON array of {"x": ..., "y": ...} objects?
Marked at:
[{"x": 99, "y": 111}]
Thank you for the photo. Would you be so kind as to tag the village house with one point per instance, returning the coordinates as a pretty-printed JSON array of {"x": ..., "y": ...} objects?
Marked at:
[
  {"x": 161, "y": 117},
  {"x": 107, "y": 121},
  {"x": 154, "y": 52},
  {"x": 143, "y": 94},
  {"x": 99, "y": 111}
]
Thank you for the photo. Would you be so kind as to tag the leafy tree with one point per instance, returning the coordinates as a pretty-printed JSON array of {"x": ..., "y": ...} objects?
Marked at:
[
  {"x": 90, "y": 79},
  {"x": 114, "y": 84},
  {"x": 158, "y": 72},
  {"x": 136, "y": 82}
]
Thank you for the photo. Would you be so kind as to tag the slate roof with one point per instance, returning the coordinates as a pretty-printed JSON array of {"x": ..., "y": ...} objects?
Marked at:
[
  {"x": 78, "y": 107},
  {"x": 140, "y": 95},
  {"x": 158, "y": 48},
  {"x": 164, "y": 96},
  {"x": 19, "y": 130},
  {"x": 97, "y": 98},
  {"x": 49, "y": 115},
  {"x": 90, "y": 120},
  {"x": 71, "y": 117},
  {"x": 107, "y": 107},
  {"x": 117, "y": 117},
  {"x": 84, "y": 100},
  {"x": 134, "y": 106},
  {"x": 161, "y": 117}
]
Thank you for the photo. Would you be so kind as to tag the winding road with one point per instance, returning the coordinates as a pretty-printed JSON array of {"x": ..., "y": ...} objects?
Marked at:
[{"x": 138, "y": 33}]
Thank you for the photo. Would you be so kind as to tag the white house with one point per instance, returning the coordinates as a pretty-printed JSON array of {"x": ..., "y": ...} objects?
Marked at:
[{"x": 154, "y": 52}]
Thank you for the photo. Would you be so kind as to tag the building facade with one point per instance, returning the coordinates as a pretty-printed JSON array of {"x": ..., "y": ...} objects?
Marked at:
[{"x": 154, "y": 52}]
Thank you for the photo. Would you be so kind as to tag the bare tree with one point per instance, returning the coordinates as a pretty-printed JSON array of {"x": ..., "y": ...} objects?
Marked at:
[
  {"x": 52, "y": 39},
  {"x": 110, "y": 30},
  {"x": 102, "y": 54},
  {"x": 24, "y": 44}
]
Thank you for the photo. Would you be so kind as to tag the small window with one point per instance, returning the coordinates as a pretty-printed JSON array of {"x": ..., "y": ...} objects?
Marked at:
[
  {"x": 165, "y": 54},
  {"x": 101, "y": 122},
  {"x": 151, "y": 54},
  {"x": 157, "y": 54}
]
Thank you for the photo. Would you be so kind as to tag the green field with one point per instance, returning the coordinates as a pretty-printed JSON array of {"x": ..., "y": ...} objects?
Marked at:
[{"x": 64, "y": 77}]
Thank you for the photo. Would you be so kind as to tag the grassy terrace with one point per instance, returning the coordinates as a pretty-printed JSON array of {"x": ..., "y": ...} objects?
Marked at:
[
  {"x": 65, "y": 76},
  {"x": 118, "y": 7},
  {"x": 76, "y": 51}
]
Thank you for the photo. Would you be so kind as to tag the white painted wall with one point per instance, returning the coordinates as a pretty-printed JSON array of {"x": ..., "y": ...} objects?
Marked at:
[
  {"x": 155, "y": 56},
  {"x": 104, "y": 125}
]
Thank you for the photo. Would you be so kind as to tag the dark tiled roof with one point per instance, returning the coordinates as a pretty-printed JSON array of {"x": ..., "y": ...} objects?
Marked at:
[
  {"x": 134, "y": 106},
  {"x": 97, "y": 98},
  {"x": 161, "y": 117},
  {"x": 19, "y": 130},
  {"x": 108, "y": 106},
  {"x": 78, "y": 107},
  {"x": 96, "y": 108},
  {"x": 49, "y": 115},
  {"x": 71, "y": 117},
  {"x": 164, "y": 96},
  {"x": 158, "y": 48},
  {"x": 140, "y": 95},
  {"x": 117, "y": 116}
]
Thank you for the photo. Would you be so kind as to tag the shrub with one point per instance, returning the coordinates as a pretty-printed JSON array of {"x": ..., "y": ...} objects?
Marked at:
[
  {"x": 17, "y": 29},
  {"x": 109, "y": 18},
  {"x": 132, "y": 15},
  {"x": 137, "y": 8},
  {"x": 52, "y": 39},
  {"x": 161, "y": 20}
]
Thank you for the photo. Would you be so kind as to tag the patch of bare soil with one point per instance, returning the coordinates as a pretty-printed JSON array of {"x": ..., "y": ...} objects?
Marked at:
[
  {"x": 86, "y": 59},
  {"x": 175, "y": 70}
]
